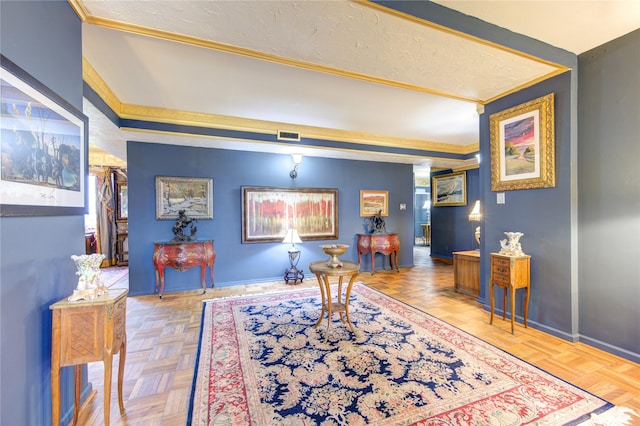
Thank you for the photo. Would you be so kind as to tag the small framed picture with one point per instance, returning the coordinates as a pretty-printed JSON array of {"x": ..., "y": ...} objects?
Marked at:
[
  {"x": 373, "y": 202},
  {"x": 193, "y": 195},
  {"x": 523, "y": 146},
  {"x": 122, "y": 202},
  {"x": 449, "y": 189}
]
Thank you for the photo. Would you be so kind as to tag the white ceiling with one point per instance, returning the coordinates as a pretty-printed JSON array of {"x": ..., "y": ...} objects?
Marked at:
[
  {"x": 572, "y": 25},
  {"x": 336, "y": 70}
]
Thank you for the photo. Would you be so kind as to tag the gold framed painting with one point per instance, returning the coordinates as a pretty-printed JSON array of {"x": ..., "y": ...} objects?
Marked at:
[
  {"x": 268, "y": 212},
  {"x": 373, "y": 202},
  {"x": 449, "y": 189},
  {"x": 523, "y": 146},
  {"x": 193, "y": 195}
]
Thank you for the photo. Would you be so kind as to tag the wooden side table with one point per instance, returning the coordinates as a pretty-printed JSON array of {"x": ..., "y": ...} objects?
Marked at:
[
  {"x": 387, "y": 244},
  {"x": 323, "y": 272},
  {"x": 121, "y": 253},
  {"x": 426, "y": 233},
  {"x": 182, "y": 256},
  {"x": 466, "y": 272},
  {"x": 88, "y": 331},
  {"x": 510, "y": 272}
]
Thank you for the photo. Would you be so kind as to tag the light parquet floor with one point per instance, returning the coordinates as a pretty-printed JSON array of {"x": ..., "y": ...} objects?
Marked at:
[{"x": 163, "y": 337}]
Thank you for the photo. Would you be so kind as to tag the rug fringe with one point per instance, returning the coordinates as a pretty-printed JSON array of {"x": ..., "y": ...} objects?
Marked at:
[{"x": 617, "y": 416}]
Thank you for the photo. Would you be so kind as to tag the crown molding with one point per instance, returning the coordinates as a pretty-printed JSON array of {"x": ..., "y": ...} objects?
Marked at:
[
  {"x": 84, "y": 15},
  {"x": 214, "y": 121}
]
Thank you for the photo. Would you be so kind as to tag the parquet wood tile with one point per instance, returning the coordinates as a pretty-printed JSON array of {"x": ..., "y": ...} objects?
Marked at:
[{"x": 163, "y": 339}]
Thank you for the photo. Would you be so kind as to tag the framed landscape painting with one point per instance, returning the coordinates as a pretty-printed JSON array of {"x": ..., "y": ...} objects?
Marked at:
[
  {"x": 449, "y": 189},
  {"x": 268, "y": 212},
  {"x": 372, "y": 202},
  {"x": 523, "y": 146},
  {"x": 44, "y": 148},
  {"x": 193, "y": 195}
]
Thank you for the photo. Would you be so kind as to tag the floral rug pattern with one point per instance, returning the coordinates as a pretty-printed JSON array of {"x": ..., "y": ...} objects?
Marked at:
[{"x": 261, "y": 362}]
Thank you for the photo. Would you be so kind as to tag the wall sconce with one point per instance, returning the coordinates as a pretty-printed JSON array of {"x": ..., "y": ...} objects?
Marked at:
[
  {"x": 475, "y": 216},
  {"x": 297, "y": 159},
  {"x": 293, "y": 273}
]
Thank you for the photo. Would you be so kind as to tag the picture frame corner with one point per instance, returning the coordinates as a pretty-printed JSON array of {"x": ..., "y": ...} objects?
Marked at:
[
  {"x": 540, "y": 112},
  {"x": 61, "y": 188}
]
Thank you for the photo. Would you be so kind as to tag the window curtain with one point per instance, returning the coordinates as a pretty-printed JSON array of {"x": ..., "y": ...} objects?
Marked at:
[{"x": 105, "y": 209}]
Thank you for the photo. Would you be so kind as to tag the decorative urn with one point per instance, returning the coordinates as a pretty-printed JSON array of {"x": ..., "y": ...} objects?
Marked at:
[
  {"x": 334, "y": 250},
  {"x": 511, "y": 247},
  {"x": 88, "y": 269}
]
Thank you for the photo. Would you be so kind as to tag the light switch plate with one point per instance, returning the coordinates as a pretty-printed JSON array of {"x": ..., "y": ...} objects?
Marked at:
[
  {"x": 403, "y": 206},
  {"x": 500, "y": 198}
]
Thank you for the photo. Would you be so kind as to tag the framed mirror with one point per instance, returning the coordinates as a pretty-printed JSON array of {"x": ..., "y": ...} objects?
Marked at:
[{"x": 122, "y": 204}]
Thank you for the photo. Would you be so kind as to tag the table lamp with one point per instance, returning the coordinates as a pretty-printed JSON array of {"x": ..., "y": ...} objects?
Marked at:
[
  {"x": 293, "y": 273},
  {"x": 475, "y": 216}
]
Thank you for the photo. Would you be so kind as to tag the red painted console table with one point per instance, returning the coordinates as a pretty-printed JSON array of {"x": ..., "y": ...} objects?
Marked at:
[
  {"x": 387, "y": 244},
  {"x": 182, "y": 256}
]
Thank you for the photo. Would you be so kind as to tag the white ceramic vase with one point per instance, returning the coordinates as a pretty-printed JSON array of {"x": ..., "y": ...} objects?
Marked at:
[
  {"x": 511, "y": 246},
  {"x": 89, "y": 286}
]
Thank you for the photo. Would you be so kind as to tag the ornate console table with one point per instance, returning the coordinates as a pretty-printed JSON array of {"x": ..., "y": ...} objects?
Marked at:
[
  {"x": 387, "y": 244},
  {"x": 182, "y": 256},
  {"x": 88, "y": 331}
]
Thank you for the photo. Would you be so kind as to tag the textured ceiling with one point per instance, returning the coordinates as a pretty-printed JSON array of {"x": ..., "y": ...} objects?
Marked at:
[
  {"x": 339, "y": 35},
  {"x": 337, "y": 70},
  {"x": 573, "y": 25}
]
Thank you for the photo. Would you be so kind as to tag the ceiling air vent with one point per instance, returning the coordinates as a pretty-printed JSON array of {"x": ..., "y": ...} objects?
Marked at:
[{"x": 288, "y": 136}]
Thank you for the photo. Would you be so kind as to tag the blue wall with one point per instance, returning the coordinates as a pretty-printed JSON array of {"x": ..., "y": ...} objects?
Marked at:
[
  {"x": 450, "y": 227},
  {"x": 44, "y": 39},
  {"x": 238, "y": 263},
  {"x": 543, "y": 215},
  {"x": 422, "y": 216},
  {"x": 609, "y": 196}
]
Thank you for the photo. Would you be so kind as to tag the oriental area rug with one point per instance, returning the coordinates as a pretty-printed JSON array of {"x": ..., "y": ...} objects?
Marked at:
[
  {"x": 110, "y": 276},
  {"x": 262, "y": 362}
]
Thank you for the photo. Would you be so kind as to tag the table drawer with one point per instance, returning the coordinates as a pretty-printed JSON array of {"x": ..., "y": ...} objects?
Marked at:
[
  {"x": 500, "y": 269},
  {"x": 499, "y": 278},
  {"x": 500, "y": 261}
]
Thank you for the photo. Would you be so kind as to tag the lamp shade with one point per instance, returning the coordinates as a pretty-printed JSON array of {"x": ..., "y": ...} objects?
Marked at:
[
  {"x": 292, "y": 237},
  {"x": 475, "y": 215}
]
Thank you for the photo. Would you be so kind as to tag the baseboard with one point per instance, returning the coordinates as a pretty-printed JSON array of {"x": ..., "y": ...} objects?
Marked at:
[
  {"x": 533, "y": 324},
  {"x": 67, "y": 418},
  {"x": 444, "y": 260},
  {"x": 623, "y": 353},
  {"x": 574, "y": 338}
]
